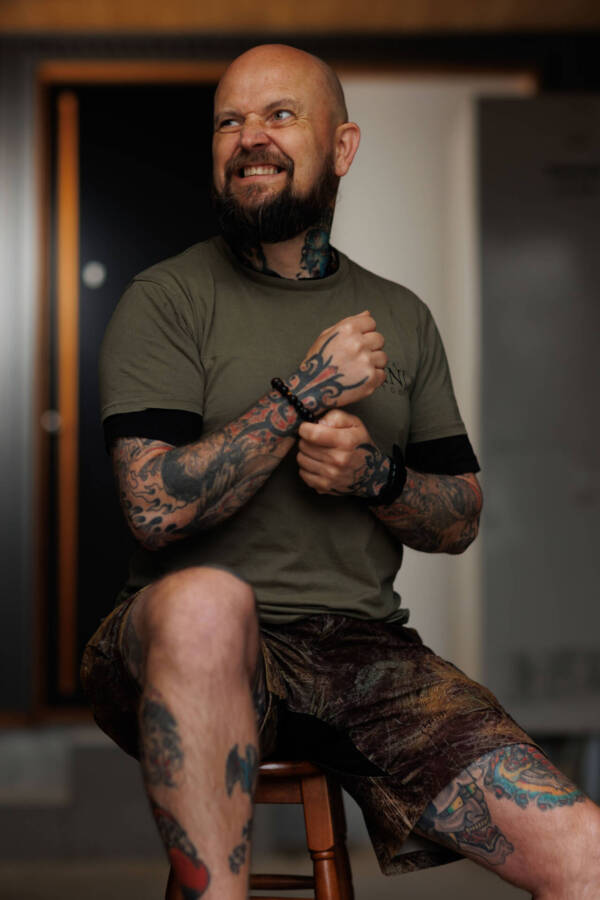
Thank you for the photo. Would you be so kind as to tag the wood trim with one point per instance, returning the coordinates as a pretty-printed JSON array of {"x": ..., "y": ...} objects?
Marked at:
[
  {"x": 67, "y": 293},
  {"x": 173, "y": 71},
  {"x": 100, "y": 71},
  {"x": 310, "y": 16}
]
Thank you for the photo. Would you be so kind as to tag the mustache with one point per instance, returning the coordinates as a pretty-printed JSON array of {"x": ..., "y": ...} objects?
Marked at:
[{"x": 258, "y": 158}]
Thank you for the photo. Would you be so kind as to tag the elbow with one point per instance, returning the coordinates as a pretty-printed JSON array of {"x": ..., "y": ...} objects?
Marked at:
[
  {"x": 468, "y": 534},
  {"x": 149, "y": 531}
]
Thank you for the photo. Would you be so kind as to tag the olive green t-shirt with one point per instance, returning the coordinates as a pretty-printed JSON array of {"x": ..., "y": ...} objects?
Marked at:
[{"x": 200, "y": 332}]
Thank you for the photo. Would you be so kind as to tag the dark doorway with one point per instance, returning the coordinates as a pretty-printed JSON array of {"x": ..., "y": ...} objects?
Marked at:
[{"x": 144, "y": 177}]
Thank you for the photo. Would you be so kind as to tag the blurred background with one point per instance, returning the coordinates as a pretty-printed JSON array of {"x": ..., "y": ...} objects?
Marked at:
[{"x": 477, "y": 185}]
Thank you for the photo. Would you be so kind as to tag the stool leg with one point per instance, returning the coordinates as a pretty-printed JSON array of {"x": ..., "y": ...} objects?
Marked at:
[
  {"x": 341, "y": 849},
  {"x": 320, "y": 837}
]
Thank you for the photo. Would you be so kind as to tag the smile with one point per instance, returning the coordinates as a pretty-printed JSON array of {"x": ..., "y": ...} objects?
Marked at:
[{"x": 249, "y": 171}]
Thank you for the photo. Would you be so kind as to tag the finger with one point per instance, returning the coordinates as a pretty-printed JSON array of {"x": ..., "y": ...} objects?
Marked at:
[
  {"x": 323, "y": 435},
  {"x": 374, "y": 340},
  {"x": 319, "y": 455},
  {"x": 314, "y": 481},
  {"x": 339, "y": 418},
  {"x": 379, "y": 359},
  {"x": 363, "y": 323},
  {"x": 308, "y": 463}
]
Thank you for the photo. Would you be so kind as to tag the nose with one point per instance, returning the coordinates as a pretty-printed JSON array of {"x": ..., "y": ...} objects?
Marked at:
[{"x": 253, "y": 133}]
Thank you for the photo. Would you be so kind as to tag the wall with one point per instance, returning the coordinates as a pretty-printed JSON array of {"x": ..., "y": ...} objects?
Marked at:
[{"x": 407, "y": 211}]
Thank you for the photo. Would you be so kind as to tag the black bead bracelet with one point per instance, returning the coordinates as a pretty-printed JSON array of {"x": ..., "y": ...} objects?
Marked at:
[{"x": 305, "y": 414}]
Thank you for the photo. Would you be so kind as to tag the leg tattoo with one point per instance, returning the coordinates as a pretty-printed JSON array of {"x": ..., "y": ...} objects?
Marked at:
[
  {"x": 459, "y": 816},
  {"x": 237, "y": 857},
  {"x": 523, "y": 774},
  {"x": 242, "y": 770},
  {"x": 161, "y": 753},
  {"x": 192, "y": 874}
]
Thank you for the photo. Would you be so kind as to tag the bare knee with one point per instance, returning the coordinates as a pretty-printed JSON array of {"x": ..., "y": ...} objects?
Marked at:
[{"x": 200, "y": 619}]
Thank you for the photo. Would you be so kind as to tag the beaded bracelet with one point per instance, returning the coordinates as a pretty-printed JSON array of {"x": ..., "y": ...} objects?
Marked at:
[
  {"x": 395, "y": 482},
  {"x": 305, "y": 414}
]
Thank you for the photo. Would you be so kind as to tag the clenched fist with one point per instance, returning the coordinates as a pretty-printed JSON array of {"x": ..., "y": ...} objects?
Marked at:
[
  {"x": 343, "y": 365},
  {"x": 337, "y": 456}
]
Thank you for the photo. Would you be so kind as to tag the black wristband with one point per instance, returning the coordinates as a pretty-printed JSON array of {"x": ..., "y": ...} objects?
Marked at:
[
  {"x": 305, "y": 414},
  {"x": 395, "y": 483}
]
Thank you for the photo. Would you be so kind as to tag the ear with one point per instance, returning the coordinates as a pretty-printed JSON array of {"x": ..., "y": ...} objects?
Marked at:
[{"x": 346, "y": 141}]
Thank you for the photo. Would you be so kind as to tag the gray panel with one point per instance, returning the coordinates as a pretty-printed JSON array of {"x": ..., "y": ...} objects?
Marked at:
[
  {"x": 17, "y": 329},
  {"x": 540, "y": 209}
]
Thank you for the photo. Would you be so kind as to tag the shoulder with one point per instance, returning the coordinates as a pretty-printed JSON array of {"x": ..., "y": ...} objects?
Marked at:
[
  {"x": 185, "y": 271},
  {"x": 181, "y": 286},
  {"x": 401, "y": 302}
]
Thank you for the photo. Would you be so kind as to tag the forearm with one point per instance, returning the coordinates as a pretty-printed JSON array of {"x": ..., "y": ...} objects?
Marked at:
[
  {"x": 168, "y": 493},
  {"x": 434, "y": 513}
]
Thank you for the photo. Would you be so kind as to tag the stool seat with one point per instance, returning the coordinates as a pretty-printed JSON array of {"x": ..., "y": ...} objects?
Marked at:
[{"x": 321, "y": 797}]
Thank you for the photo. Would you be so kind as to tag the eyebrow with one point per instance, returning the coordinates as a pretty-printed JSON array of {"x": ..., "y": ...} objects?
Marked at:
[{"x": 283, "y": 101}]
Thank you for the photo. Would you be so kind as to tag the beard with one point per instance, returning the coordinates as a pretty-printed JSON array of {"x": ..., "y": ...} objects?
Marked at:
[{"x": 268, "y": 218}]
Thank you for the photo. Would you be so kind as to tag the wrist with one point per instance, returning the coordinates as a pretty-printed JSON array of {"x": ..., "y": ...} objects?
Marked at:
[
  {"x": 396, "y": 480},
  {"x": 301, "y": 395}
]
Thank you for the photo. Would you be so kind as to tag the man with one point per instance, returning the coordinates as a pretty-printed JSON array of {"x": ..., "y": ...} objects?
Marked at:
[{"x": 262, "y": 462}]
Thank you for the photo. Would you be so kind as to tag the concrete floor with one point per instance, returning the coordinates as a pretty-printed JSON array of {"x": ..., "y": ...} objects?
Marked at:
[{"x": 146, "y": 879}]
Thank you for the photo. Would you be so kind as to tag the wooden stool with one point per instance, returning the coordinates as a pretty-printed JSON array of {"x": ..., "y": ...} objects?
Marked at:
[{"x": 321, "y": 796}]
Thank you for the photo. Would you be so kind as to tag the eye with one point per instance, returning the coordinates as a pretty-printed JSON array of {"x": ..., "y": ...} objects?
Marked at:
[
  {"x": 228, "y": 123},
  {"x": 280, "y": 115}
]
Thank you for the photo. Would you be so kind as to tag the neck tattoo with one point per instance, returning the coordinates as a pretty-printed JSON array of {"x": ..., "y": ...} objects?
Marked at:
[{"x": 317, "y": 258}]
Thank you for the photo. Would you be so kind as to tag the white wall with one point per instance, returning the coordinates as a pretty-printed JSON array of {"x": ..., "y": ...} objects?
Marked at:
[{"x": 407, "y": 211}]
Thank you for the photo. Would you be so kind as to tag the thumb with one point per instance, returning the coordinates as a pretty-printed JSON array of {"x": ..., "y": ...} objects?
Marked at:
[{"x": 338, "y": 418}]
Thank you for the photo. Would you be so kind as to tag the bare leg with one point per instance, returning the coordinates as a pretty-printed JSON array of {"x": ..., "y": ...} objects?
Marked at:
[
  {"x": 191, "y": 642},
  {"x": 515, "y": 813}
]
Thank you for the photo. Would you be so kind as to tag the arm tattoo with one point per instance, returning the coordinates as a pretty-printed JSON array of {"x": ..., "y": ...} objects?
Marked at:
[
  {"x": 133, "y": 651},
  {"x": 168, "y": 493},
  {"x": 161, "y": 754},
  {"x": 192, "y": 874},
  {"x": 371, "y": 476},
  {"x": 435, "y": 513}
]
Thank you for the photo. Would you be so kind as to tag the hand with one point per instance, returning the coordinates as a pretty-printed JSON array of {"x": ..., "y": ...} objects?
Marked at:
[
  {"x": 344, "y": 364},
  {"x": 337, "y": 456}
]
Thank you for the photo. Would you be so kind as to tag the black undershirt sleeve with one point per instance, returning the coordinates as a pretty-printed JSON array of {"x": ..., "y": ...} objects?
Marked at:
[
  {"x": 173, "y": 426},
  {"x": 442, "y": 456}
]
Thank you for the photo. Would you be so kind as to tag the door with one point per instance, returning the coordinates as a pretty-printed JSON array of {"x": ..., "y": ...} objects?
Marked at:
[{"x": 130, "y": 185}]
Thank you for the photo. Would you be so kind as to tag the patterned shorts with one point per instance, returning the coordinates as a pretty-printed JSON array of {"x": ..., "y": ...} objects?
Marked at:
[{"x": 366, "y": 700}]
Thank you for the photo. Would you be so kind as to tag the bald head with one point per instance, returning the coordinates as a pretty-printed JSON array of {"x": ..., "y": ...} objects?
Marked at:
[{"x": 297, "y": 66}]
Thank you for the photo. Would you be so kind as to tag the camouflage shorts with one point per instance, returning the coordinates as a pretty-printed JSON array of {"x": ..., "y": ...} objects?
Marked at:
[{"x": 366, "y": 700}]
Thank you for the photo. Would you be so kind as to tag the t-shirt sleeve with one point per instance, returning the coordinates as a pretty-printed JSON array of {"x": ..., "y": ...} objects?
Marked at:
[
  {"x": 434, "y": 411},
  {"x": 150, "y": 355}
]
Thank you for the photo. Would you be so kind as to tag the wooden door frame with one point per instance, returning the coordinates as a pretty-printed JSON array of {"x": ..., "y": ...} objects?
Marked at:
[{"x": 73, "y": 73}]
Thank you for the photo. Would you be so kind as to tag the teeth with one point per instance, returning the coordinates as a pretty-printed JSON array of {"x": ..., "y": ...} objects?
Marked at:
[{"x": 260, "y": 170}]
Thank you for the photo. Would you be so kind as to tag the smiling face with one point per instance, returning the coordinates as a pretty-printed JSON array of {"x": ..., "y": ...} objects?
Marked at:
[{"x": 276, "y": 121}]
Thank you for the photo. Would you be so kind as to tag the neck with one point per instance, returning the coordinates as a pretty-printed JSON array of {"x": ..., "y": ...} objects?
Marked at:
[{"x": 307, "y": 255}]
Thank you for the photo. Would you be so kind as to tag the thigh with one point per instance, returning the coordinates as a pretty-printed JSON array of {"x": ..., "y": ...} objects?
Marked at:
[
  {"x": 112, "y": 691},
  {"x": 513, "y": 811},
  {"x": 392, "y": 720},
  {"x": 112, "y": 674}
]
